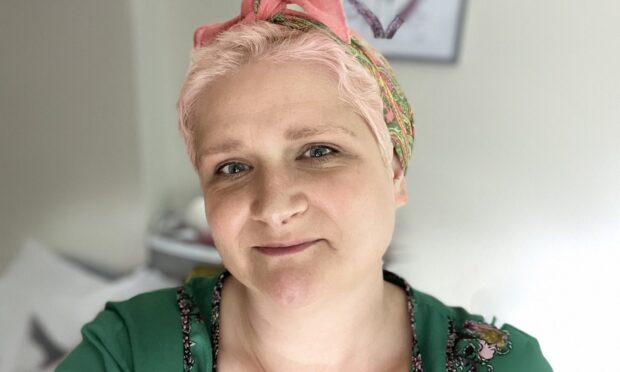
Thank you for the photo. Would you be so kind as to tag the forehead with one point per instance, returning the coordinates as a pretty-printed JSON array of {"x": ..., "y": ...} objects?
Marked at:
[{"x": 266, "y": 95}]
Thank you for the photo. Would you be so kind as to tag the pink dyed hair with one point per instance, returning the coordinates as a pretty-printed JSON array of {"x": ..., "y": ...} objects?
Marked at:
[{"x": 265, "y": 41}]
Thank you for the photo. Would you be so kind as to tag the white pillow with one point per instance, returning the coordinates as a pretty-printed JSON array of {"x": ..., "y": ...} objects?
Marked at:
[{"x": 33, "y": 280}]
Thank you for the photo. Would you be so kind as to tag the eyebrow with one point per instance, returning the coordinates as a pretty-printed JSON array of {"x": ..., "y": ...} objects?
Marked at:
[
  {"x": 305, "y": 132},
  {"x": 229, "y": 146},
  {"x": 291, "y": 134}
]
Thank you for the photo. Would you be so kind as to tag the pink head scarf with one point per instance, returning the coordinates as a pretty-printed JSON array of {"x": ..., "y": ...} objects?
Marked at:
[{"x": 329, "y": 13}]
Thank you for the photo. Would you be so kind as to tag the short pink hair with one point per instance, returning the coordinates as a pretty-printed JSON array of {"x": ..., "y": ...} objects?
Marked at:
[{"x": 265, "y": 41}]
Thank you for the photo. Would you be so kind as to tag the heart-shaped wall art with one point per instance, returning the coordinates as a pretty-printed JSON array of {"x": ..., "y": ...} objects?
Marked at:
[{"x": 375, "y": 24}]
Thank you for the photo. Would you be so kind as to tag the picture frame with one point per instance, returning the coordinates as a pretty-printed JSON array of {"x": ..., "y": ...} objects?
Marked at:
[{"x": 431, "y": 31}]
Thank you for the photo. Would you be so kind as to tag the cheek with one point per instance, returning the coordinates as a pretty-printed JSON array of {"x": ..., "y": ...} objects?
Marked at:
[
  {"x": 225, "y": 215},
  {"x": 361, "y": 202},
  {"x": 368, "y": 214}
]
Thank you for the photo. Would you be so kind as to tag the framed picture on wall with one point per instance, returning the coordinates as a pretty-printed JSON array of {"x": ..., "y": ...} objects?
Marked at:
[{"x": 427, "y": 30}]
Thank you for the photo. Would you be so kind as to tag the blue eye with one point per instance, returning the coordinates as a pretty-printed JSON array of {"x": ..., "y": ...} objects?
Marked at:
[
  {"x": 232, "y": 169},
  {"x": 319, "y": 151}
]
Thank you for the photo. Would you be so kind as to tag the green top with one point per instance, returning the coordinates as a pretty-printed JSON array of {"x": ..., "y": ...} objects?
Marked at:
[{"x": 154, "y": 331}]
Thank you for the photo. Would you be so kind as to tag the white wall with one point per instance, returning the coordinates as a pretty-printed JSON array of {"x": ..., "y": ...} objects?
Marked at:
[
  {"x": 515, "y": 182},
  {"x": 162, "y": 33},
  {"x": 514, "y": 204},
  {"x": 70, "y": 171}
]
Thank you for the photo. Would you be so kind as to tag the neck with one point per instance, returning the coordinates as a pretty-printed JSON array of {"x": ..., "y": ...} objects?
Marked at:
[{"x": 332, "y": 333}]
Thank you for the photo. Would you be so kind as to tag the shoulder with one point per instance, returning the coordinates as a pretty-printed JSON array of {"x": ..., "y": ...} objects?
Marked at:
[
  {"x": 471, "y": 343},
  {"x": 525, "y": 354},
  {"x": 126, "y": 334},
  {"x": 156, "y": 312},
  {"x": 125, "y": 331}
]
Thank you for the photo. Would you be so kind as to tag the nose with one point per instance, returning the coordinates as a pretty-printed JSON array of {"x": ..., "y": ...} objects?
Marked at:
[{"x": 278, "y": 199}]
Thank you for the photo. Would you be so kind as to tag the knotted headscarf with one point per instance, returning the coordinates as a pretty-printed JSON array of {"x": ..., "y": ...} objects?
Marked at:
[{"x": 328, "y": 17}]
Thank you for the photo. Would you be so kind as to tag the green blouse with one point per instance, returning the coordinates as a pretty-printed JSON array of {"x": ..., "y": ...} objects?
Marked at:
[{"x": 178, "y": 330}]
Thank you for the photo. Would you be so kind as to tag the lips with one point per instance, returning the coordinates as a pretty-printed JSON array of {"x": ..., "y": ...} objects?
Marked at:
[{"x": 280, "y": 249}]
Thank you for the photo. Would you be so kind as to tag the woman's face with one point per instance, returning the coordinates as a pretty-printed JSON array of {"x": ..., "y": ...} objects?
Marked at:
[{"x": 282, "y": 161}]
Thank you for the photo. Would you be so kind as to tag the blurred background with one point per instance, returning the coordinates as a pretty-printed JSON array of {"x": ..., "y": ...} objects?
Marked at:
[{"x": 514, "y": 186}]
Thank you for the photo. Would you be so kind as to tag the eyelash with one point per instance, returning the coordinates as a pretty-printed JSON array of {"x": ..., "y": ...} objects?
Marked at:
[{"x": 317, "y": 159}]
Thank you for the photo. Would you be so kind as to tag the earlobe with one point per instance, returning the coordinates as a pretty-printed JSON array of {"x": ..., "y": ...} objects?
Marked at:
[{"x": 400, "y": 183}]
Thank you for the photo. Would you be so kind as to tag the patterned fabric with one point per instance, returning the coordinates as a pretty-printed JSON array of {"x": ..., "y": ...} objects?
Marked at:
[
  {"x": 215, "y": 316},
  {"x": 416, "y": 357},
  {"x": 328, "y": 17},
  {"x": 475, "y": 346}
]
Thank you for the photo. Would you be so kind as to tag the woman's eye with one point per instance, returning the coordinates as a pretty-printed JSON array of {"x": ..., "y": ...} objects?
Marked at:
[
  {"x": 232, "y": 169},
  {"x": 319, "y": 151}
]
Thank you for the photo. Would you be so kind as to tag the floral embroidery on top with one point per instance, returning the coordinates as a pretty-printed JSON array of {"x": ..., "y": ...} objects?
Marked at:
[
  {"x": 189, "y": 313},
  {"x": 416, "y": 356},
  {"x": 475, "y": 345},
  {"x": 215, "y": 316}
]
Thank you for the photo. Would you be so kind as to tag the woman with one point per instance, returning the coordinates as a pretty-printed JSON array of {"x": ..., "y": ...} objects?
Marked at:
[{"x": 300, "y": 137}]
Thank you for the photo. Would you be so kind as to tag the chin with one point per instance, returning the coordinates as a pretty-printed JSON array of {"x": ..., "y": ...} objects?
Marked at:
[{"x": 291, "y": 287}]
